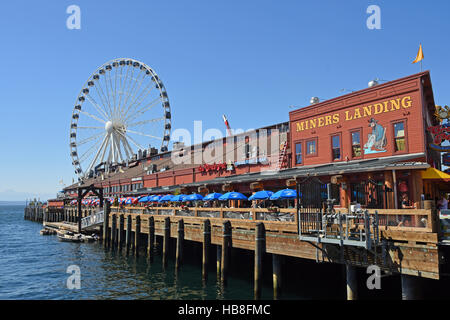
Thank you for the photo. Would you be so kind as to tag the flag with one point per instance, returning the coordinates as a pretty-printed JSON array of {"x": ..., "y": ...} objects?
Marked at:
[{"x": 419, "y": 55}]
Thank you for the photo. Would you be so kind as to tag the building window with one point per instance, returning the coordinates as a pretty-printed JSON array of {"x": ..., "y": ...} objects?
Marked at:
[
  {"x": 311, "y": 147},
  {"x": 336, "y": 147},
  {"x": 356, "y": 144},
  {"x": 298, "y": 153},
  {"x": 399, "y": 136}
]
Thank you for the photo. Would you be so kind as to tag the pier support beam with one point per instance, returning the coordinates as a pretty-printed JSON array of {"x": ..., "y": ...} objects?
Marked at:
[
  {"x": 352, "y": 282},
  {"x": 151, "y": 238},
  {"x": 79, "y": 212},
  {"x": 226, "y": 248},
  {"x": 260, "y": 248},
  {"x": 276, "y": 275},
  {"x": 166, "y": 239},
  {"x": 180, "y": 240},
  {"x": 120, "y": 235},
  {"x": 206, "y": 245},
  {"x": 218, "y": 260},
  {"x": 105, "y": 225},
  {"x": 411, "y": 287},
  {"x": 128, "y": 234},
  {"x": 113, "y": 231},
  {"x": 137, "y": 235}
]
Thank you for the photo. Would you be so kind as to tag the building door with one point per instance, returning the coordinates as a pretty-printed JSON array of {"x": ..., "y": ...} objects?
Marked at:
[{"x": 313, "y": 193}]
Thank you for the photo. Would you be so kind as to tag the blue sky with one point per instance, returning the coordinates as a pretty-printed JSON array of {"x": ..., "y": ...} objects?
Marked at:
[{"x": 248, "y": 59}]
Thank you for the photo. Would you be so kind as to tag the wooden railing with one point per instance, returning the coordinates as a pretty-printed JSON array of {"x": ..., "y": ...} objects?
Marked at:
[
  {"x": 419, "y": 220},
  {"x": 287, "y": 215}
]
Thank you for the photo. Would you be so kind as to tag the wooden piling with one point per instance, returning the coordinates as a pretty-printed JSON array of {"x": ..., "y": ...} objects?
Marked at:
[
  {"x": 180, "y": 240},
  {"x": 166, "y": 239},
  {"x": 226, "y": 248},
  {"x": 120, "y": 235},
  {"x": 128, "y": 234},
  {"x": 106, "y": 225},
  {"x": 411, "y": 287},
  {"x": 206, "y": 245},
  {"x": 218, "y": 260},
  {"x": 260, "y": 248},
  {"x": 276, "y": 275},
  {"x": 137, "y": 235},
  {"x": 113, "y": 230},
  {"x": 151, "y": 238},
  {"x": 352, "y": 282}
]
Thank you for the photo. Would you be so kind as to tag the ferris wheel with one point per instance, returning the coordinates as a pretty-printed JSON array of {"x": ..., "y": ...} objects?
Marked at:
[{"x": 123, "y": 107}]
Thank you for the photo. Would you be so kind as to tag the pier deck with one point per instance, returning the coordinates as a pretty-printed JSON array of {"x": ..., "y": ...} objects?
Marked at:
[{"x": 410, "y": 250}]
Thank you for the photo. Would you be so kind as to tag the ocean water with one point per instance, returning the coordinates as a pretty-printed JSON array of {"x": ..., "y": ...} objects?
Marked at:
[{"x": 35, "y": 267}]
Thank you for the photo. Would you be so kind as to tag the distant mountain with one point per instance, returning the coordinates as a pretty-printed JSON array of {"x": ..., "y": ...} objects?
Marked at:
[{"x": 11, "y": 195}]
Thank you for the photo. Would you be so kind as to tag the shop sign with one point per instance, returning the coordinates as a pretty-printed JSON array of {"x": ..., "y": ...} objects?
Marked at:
[
  {"x": 215, "y": 167},
  {"x": 262, "y": 160}
]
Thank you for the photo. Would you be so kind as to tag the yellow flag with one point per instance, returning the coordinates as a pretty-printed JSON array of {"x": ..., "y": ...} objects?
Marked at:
[{"x": 419, "y": 55}]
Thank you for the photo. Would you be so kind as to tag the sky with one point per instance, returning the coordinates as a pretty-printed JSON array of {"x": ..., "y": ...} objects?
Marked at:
[{"x": 250, "y": 60}]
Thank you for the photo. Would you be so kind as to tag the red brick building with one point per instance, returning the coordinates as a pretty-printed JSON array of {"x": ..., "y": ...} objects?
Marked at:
[{"x": 373, "y": 142}]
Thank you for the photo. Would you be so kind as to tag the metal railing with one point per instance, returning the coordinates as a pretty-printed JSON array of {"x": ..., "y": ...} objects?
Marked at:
[
  {"x": 93, "y": 219},
  {"x": 355, "y": 229}
]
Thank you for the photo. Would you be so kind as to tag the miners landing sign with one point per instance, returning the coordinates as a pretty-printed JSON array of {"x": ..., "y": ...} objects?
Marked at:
[{"x": 371, "y": 110}]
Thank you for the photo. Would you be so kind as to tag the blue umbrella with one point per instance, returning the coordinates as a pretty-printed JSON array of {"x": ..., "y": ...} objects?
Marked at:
[
  {"x": 284, "y": 194},
  {"x": 166, "y": 198},
  {"x": 179, "y": 198},
  {"x": 193, "y": 197},
  {"x": 261, "y": 195},
  {"x": 144, "y": 199},
  {"x": 233, "y": 196},
  {"x": 154, "y": 198},
  {"x": 212, "y": 196}
]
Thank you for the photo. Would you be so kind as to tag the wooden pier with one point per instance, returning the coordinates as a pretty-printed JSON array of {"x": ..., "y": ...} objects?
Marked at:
[{"x": 412, "y": 251}]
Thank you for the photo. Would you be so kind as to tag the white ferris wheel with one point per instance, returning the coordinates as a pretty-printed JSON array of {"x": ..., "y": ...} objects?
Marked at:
[{"x": 123, "y": 107}]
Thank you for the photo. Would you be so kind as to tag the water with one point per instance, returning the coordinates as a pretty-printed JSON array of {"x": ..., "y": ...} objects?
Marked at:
[{"x": 35, "y": 267}]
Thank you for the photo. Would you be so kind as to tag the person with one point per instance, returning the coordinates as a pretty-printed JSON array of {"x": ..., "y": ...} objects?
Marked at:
[
  {"x": 405, "y": 202},
  {"x": 442, "y": 203}
]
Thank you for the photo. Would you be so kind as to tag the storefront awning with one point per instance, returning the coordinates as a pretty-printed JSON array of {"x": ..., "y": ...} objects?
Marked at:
[{"x": 435, "y": 174}]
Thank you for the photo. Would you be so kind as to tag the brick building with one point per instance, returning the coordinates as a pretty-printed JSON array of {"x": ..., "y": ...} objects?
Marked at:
[{"x": 373, "y": 143}]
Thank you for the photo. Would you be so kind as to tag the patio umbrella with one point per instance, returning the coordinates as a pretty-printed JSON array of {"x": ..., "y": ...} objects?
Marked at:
[
  {"x": 284, "y": 194},
  {"x": 129, "y": 200},
  {"x": 144, "y": 199},
  {"x": 154, "y": 198},
  {"x": 166, "y": 198},
  {"x": 261, "y": 195},
  {"x": 194, "y": 197},
  {"x": 212, "y": 196},
  {"x": 179, "y": 198},
  {"x": 233, "y": 196}
]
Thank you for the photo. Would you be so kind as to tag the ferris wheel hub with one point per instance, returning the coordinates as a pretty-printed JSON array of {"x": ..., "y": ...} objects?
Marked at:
[{"x": 109, "y": 126}]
